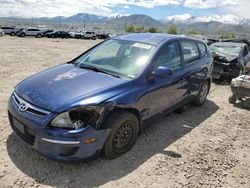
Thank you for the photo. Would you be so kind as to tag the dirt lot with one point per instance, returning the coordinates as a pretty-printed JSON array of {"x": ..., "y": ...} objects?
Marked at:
[{"x": 201, "y": 147}]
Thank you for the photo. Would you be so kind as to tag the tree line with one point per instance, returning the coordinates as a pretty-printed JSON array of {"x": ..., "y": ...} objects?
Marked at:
[{"x": 172, "y": 29}]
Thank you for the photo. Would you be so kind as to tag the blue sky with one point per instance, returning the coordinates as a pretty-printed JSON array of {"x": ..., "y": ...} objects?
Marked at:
[
  {"x": 158, "y": 9},
  {"x": 164, "y": 11}
]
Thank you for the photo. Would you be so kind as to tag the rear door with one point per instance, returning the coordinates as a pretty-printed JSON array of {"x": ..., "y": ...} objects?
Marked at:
[
  {"x": 194, "y": 61},
  {"x": 29, "y": 32}
]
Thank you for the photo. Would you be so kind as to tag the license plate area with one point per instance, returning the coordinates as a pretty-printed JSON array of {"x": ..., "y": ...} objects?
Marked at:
[
  {"x": 18, "y": 126},
  {"x": 24, "y": 132}
]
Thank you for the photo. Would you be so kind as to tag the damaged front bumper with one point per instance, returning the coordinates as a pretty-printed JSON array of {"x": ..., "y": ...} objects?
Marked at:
[{"x": 57, "y": 144}]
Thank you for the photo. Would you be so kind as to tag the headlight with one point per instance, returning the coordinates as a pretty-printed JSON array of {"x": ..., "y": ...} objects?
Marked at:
[{"x": 77, "y": 118}]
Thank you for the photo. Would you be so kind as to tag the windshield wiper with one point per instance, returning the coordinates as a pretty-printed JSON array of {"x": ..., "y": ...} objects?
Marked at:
[{"x": 99, "y": 70}]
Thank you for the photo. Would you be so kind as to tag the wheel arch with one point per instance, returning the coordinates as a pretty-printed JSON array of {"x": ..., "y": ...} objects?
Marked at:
[{"x": 131, "y": 110}]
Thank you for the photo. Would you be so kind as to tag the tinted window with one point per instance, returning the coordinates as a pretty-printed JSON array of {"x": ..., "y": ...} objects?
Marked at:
[
  {"x": 88, "y": 33},
  {"x": 203, "y": 49},
  {"x": 169, "y": 56},
  {"x": 190, "y": 51},
  {"x": 8, "y": 28}
]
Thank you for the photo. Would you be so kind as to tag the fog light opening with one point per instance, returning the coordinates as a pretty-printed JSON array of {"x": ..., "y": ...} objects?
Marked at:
[{"x": 89, "y": 140}]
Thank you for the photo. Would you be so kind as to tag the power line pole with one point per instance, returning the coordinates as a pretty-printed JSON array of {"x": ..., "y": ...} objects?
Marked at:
[{"x": 59, "y": 21}]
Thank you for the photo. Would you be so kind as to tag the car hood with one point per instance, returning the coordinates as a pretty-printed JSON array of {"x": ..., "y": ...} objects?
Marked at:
[
  {"x": 225, "y": 58},
  {"x": 66, "y": 86}
]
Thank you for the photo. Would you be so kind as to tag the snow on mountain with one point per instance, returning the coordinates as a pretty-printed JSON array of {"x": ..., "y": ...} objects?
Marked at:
[
  {"x": 178, "y": 18},
  {"x": 226, "y": 19}
]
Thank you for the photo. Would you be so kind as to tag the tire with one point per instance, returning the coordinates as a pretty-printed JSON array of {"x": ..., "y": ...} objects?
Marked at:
[
  {"x": 232, "y": 99},
  {"x": 22, "y": 35},
  {"x": 38, "y": 35},
  {"x": 124, "y": 132},
  {"x": 66, "y": 37},
  {"x": 202, "y": 95},
  {"x": 12, "y": 34},
  {"x": 93, "y": 38}
]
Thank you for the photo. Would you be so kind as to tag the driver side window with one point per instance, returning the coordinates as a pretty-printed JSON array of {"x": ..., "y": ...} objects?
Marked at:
[{"x": 169, "y": 56}]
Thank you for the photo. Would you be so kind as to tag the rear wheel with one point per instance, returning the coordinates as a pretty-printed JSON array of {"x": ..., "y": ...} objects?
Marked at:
[
  {"x": 22, "y": 35},
  {"x": 12, "y": 34},
  {"x": 124, "y": 132},
  {"x": 39, "y": 35},
  {"x": 232, "y": 99},
  {"x": 202, "y": 95}
]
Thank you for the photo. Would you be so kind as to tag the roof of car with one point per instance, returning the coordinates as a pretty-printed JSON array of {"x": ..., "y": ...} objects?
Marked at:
[
  {"x": 233, "y": 44},
  {"x": 150, "y": 38}
]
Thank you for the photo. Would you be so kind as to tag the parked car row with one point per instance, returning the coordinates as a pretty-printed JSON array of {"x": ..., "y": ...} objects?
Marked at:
[
  {"x": 135, "y": 77},
  {"x": 50, "y": 33}
]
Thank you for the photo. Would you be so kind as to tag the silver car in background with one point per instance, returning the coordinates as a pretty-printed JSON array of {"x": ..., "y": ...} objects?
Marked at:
[
  {"x": 9, "y": 30},
  {"x": 31, "y": 32}
]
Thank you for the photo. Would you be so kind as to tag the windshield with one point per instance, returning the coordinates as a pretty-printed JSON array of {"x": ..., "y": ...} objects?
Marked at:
[
  {"x": 226, "y": 50},
  {"x": 123, "y": 58}
]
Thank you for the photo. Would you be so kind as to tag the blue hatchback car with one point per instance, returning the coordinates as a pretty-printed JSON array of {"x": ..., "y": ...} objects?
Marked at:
[{"x": 99, "y": 101}]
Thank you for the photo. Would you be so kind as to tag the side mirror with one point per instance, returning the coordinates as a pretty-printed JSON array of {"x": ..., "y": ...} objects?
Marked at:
[{"x": 163, "y": 72}]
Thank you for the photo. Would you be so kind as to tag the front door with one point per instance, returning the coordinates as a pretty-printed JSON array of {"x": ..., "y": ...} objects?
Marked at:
[{"x": 165, "y": 93}]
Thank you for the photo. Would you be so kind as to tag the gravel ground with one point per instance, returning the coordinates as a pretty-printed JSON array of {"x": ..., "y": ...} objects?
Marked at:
[{"x": 201, "y": 147}]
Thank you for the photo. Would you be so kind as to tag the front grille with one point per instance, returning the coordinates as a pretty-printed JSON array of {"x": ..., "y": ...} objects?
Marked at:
[
  {"x": 28, "y": 107},
  {"x": 25, "y": 133}
]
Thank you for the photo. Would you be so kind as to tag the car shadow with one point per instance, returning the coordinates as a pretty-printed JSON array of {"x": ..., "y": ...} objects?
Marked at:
[
  {"x": 243, "y": 104},
  {"x": 154, "y": 140}
]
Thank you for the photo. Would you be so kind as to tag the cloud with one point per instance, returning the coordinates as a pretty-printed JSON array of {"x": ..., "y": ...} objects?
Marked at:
[
  {"x": 242, "y": 9},
  {"x": 205, "y": 4},
  {"x": 50, "y": 8}
]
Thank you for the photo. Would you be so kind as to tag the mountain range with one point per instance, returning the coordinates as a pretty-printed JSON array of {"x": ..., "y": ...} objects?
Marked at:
[
  {"x": 225, "y": 19},
  {"x": 212, "y": 25}
]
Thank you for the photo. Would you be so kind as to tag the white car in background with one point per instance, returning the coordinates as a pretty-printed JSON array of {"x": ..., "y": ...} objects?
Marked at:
[
  {"x": 1, "y": 33},
  {"x": 72, "y": 34},
  {"x": 89, "y": 35}
]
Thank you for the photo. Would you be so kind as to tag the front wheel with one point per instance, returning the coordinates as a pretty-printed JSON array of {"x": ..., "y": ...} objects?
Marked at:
[
  {"x": 124, "y": 132},
  {"x": 202, "y": 95}
]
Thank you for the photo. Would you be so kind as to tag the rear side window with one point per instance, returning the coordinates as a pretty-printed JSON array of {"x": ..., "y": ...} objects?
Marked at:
[
  {"x": 190, "y": 51},
  {"x": 203, "y": 49},
  {"x": 169, "y": 56}
]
